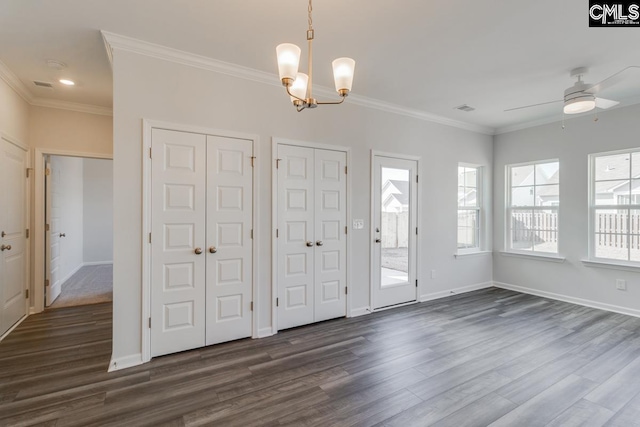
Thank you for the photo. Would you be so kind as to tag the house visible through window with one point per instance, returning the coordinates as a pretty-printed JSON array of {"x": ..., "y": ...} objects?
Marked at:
[
  {"x": 614, "y": 202},
  {"x": 469, "y": 208},
  {"x": 533, "y": 199}
]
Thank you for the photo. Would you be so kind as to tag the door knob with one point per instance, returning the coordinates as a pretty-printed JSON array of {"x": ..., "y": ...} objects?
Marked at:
[
  {"x": 309, "y": 244},
  {"x": 63, "y": 234},
  {"x": 319, "y": 243},
  {"x": 213, "y": 249},
  {"x": 5, "y": 248},
  {"x": 377, "y": 240},
  {"x": 198, "y": 251}
]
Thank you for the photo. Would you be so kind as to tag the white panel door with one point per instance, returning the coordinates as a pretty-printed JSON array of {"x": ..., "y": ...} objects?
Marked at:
[
  {"x": 395, "y": 201},
  {"x": 330, "y": 221},
  {"x": 54, "y": 242},
  {"x": 229, "y": 244},
  {"x": 296, "y": 240},
  {"x": 178, "y": 192},
  {"x": 13, "y": 256}
]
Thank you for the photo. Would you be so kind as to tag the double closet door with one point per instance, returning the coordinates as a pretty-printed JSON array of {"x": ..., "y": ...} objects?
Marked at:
[
  {"x": 201, "y": 240},
  {"x": 311, "y": 258}
]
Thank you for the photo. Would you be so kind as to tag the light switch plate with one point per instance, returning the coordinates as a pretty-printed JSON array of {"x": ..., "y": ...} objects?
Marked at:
[{"x": 358, "y": 224}]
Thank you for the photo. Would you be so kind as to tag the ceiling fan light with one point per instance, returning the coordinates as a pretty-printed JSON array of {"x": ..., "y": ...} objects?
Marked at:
[
  {"x": 343, "y": 69},
  {"x": 288, "y": 60},
  {"x": 580, "y": 104},
  {"x": 299, "y": 87}
]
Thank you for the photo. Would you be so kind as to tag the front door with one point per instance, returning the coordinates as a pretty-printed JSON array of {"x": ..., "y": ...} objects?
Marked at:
[
  {"x": 394, "y": 237},
  {"x": 13, "y": 242}
]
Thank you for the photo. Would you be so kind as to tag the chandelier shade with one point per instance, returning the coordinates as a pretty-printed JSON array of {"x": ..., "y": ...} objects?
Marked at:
[{"x": 288, "y": 60}]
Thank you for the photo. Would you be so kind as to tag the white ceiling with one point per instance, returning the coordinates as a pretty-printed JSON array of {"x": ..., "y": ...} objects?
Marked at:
[{"x": 428, "y": 55}]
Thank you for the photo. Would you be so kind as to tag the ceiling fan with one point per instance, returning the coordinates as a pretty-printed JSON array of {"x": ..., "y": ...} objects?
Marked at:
[{"x": 581, "y": 97}]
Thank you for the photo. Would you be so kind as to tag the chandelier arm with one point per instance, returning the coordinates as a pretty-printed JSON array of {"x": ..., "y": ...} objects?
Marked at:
[
  {"x": 332, "y": 103},
  {"x": 290, "y": 94}
]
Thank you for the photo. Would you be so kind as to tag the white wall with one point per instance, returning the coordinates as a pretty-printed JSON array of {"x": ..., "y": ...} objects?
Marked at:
[
  {"x": 69, "y": 191},
  {"x": 154, "y": 89},
  {"x": 98, "y": 211},
  {"x": 617, "y": 129}
]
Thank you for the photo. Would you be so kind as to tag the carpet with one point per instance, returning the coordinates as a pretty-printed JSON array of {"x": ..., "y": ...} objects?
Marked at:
[{"x": 92, "y": 284}]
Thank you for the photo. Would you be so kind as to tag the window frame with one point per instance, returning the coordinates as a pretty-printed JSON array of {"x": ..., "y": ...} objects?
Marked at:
[
  {"x": 509, "y": 208},
  {"x": 593, "y": 207},
  {"x": 479, "y": 209}
]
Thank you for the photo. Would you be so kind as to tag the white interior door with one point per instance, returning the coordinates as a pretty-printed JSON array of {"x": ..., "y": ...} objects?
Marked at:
[
  {"x": 53, "y": 286},
  {"x": 296, "y": 174},
  {"x": 394, "y": 238},
  {"x": 229, "y": 240},
  {"x": 330, "y": 253},
  {"x": 13, "y": 253},
  {"x": 178, "y": 192},
  {"x": 312, "y": 199}
]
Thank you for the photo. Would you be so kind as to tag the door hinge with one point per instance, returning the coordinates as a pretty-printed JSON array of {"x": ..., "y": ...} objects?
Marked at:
[
  {"x": 346, "y": 290},
  {"x": 251, "y": 305},
  {"x": 278, "y": 163},
  {"x": 46, "y": 227},
  {"x": 416, "y": 230},
  {"x": 416, "y": 178},
  {"x": 149, "y": 322},
  {"x": 29, "y": 172},
  {"x": 277, "y": 233},
  {"x": 27, "y": 233},
  {"x": 277, "y": 302},
  {"x": 345, "y": 170},
  {"x": 26, "y": 293},
  {"x": 416, "y": 283},
  {"x": 252, "y": 159},
  {"x": 149, "y": 237},
  {"x": 47, "y": 172},
  {"x": 46, "y": 283},
  {"x": 150, "y": 153},
  {"x": 345, "y": 229},
  {"x": 252, "y": 233}
]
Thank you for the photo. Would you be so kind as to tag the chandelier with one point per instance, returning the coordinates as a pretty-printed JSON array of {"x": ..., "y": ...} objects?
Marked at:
[{"x": 299, "y": 85}]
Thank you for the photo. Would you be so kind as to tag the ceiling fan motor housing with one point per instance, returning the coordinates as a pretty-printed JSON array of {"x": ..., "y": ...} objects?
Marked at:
[{"x": 576, "y": 96}]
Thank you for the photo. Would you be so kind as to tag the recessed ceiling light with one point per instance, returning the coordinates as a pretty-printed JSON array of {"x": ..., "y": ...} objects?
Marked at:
[{"x": 67, "y": 82}]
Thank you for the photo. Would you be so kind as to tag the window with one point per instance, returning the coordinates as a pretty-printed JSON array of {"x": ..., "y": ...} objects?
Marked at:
[
  {"x": 469, "y": 208},
  {"x": 614, "y": 200},
  {"x": 533, "y": 199}
]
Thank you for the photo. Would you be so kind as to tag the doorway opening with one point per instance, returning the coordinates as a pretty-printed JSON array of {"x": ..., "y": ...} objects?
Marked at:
[{"x": 78, "y": 232}]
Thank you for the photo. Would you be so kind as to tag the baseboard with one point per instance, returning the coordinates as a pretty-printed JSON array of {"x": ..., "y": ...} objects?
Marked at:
[
  {"x": 125, "y": 362},
  {"x": 13, "y": 327},
  {"x": 362, "y": 311},
  {"x": 569, "y": 299},
  {"x": 265, "y": 332},
  {"x": 85, "y": 264},
  {"x": 451, "y": 292}
]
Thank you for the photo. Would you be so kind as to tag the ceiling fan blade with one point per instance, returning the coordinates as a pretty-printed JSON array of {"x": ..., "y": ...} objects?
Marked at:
[
  {"x": 533, "y": 105},
  {"x": 610, "y": 81},
  {"x": 605, "y": 103}
]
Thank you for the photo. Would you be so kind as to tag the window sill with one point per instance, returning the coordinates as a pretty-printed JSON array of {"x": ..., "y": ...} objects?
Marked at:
[
  {"x": 611, "y": 264},
  {"x": 470, "y": 254},
  {"x": 538, "y": 256}
]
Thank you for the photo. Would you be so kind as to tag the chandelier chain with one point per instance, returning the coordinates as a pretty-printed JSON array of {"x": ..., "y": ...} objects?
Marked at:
[{"x": 310, "y": 19}]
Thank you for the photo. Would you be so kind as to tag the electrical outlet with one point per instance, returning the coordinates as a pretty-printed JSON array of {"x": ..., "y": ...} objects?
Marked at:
[
  {"x": 433, "y": 274},
  {"x": 621, "y": 285}
]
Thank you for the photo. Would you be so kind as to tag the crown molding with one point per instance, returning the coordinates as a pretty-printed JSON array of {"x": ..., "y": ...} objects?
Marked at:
[
  {"x": 14, "y": 83},
  {"x": 72, "y": 106},
  {"x": 115, "y": 41}
]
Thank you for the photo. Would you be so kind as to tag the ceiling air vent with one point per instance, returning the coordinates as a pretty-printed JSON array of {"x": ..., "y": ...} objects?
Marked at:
[
  {"x": 43, "y": 84},
  {"x": 465, "y": 108}
]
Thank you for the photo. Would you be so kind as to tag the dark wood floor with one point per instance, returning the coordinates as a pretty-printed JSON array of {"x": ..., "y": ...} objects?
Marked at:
[{"x": 492, "y": 357}]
